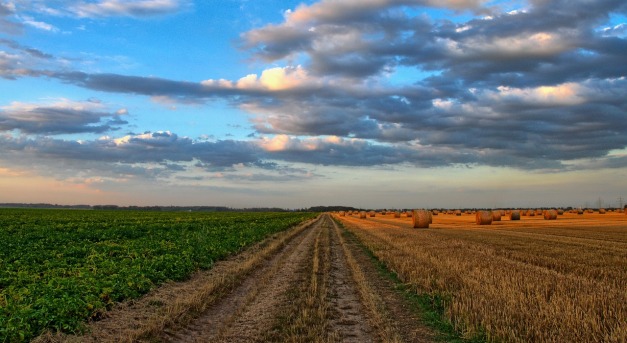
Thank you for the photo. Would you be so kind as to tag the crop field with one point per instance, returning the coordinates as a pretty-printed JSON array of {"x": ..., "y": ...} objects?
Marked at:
[
  {"x": 68, "y": 276},
  {"x": 59, "y": 268},
  {"x": 531, "y": 280}
]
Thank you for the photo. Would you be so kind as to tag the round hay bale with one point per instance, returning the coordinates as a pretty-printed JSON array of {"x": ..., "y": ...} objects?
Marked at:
[
  {"x": 579, "y": 211},
  {"x": 483, "y": 218},
  {"x": 601, "y": 211},
  {"x": 372, "y": 213},
  {"x": 550, "y": 215},
  {"x": 409, "y": 214},
  {"x": 514, "y": 215},
  {"x": 531, "y": 213},
  {"x": 362, "y": 215},
  {"x": 560, "y": 212},
  {"x": 342, "y": 213},
  {"x": 397, "y": 214},
  {"x": 434, "y": 212},
  {"x": 420, "y": 218},
  {"x": 496, "y": 216},
  {"x": 458, "y": 212}
]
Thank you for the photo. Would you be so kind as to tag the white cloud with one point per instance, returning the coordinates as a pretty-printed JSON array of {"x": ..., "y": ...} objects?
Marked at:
[
  {"x": 563, "y": 94},
  {"x": 134, "y": 8},
  {"x": 30, "y": 21}
]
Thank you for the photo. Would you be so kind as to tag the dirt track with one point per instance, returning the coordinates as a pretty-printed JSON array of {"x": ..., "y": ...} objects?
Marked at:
[{"x": 316, "y": 285}]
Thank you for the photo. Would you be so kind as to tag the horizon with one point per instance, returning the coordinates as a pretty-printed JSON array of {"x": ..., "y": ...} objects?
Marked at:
[{"x": 293, "y": 104}]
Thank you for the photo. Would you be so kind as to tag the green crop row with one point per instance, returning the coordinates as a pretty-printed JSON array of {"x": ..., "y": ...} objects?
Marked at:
[{"x": 59, "y": 268}]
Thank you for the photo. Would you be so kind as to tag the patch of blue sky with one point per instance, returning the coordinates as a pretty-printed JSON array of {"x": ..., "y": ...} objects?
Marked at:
[{"x": 409, "y": 75}]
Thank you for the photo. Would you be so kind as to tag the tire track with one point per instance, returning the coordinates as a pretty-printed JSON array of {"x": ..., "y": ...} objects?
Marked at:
[{"x": 247, "y": 313}]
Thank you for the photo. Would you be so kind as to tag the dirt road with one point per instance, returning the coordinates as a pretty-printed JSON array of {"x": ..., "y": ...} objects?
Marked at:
[{"x": 312, "y": 284}]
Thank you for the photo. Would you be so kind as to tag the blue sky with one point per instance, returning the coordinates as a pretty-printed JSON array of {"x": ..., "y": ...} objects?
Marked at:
[{"x": 369, "y": 103}]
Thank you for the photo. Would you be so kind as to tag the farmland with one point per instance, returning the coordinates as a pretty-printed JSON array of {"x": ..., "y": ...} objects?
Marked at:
[
  {"x": 277, "y": 277},
  {"x": 515, "y": 281},
  {"x": 59, "y": 268}
]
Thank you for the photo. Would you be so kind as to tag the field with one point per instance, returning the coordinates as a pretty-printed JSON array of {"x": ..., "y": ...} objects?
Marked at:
[
  {"x": 532, "y": 280},
  {"x": 68, "y": 276},
  {"x": 59, "y": 268}
]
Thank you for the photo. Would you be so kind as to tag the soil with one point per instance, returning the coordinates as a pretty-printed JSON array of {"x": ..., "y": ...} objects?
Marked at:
[{"x": 260, "y": 303}]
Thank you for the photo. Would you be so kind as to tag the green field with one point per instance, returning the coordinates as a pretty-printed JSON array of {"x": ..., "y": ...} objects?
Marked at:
[{"x": 58, "y": 268}]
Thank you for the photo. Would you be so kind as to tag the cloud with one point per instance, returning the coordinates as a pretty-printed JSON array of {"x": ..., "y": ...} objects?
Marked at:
[
  {"x": 7, "y": 11},
  {"x": 30, "y": 21},
  {"x": 135, "y": 8},
  {"x": 61, "y": 117},
  {"x": 533, "y": 88},
  {"x": 28, "y": 50}
]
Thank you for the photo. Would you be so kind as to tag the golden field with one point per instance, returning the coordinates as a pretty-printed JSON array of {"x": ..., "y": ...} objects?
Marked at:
[{"x": 531, "y": 280}]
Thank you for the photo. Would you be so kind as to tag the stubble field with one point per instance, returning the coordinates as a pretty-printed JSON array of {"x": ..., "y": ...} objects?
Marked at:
[{"x": 532, "y": 280}]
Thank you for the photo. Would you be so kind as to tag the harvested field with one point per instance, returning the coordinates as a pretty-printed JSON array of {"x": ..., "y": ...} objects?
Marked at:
[{"x": 528, "y": 280}]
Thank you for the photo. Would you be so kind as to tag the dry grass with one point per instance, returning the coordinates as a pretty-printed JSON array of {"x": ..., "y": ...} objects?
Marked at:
[
  {"x": 517, "y": 281},
  {"x": 310, "y": 306},
  {"x": 377, "y": 313}
]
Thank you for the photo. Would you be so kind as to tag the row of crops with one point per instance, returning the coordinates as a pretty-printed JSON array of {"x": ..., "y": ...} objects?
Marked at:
[{"x": 58, "y": 268}]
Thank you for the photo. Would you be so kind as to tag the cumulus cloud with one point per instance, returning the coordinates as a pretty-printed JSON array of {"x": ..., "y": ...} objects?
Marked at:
[{"x": 533, "y": 88}]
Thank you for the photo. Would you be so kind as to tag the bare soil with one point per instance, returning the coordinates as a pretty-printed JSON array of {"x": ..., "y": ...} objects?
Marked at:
[{"x": 310, "y": 284}]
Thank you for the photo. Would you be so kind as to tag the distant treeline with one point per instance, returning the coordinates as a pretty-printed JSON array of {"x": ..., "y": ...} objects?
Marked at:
[
  {"x": 147, "y": 208},
  {"x": 212, "y": 208}
]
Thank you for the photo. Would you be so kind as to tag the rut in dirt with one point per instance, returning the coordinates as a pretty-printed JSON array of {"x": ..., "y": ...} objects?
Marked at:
[{"x": 318, "y": 288}]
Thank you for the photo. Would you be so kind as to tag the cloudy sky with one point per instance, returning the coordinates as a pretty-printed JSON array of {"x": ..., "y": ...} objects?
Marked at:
[{"x": 368, "y": 103}]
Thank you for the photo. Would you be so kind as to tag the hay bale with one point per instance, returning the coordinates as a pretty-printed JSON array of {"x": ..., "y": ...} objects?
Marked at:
[
  {"x": 560, "y": 212},
  {"x": 409, "y": 214},
  {"x": 342, "y": 214},
  {"x": 397, "y": 214},
  {"x": 372, "y": 213},
  {"x": 531, "y": 213},
  {"x": 362, "y": 215},
  {"x": 514, "y": 215},
  {"x": 579, "y": 211},
  {"x": 550, "y": 215},
  {"x": 420, "y": 218},
  {"x": 601, "y": 211},
  {"x": 458, "y": 212},
  {"x": 483, "y": 217},
  {"x": 434, "y": 212},
  {"x": 496, "y": 216}
]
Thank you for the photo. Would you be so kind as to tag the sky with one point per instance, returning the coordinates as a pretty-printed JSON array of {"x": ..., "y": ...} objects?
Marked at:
[{"x": 365, "y": 103}]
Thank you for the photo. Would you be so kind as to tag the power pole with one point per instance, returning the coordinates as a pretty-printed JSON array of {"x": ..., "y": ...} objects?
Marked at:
[{"x": 620, "y": 202}]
